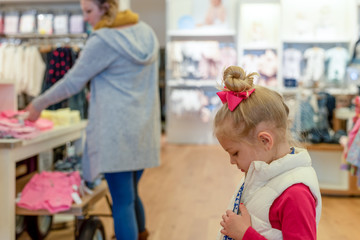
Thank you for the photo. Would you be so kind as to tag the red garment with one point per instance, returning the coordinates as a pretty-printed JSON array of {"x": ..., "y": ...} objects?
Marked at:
[{"x": 293, "y": 213}]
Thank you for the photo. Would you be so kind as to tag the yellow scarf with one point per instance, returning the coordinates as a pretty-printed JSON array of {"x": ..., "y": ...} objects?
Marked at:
[{"x": 122, "y": 18}]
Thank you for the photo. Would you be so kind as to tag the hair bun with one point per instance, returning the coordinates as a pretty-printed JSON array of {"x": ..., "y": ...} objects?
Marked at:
[{"x": 235, "y": 79}]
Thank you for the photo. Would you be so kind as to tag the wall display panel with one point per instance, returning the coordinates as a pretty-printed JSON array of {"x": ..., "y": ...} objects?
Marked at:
[
  {"x": 264, "y": 62},
  {"x": 259, "y": 40},
  {"x": 322, "y": 20},
  {"x": 201, "y": 43},
  {"x": 259, "y": 24},
  {"x": 315, "y": 65},
  {"x": 191, "y": 111},
  {"x": 200, "y": 60},
  {"x": 200, "y": 17}
]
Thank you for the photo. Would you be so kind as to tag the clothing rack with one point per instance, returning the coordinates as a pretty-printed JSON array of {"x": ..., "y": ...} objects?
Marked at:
[
  {"x": 44, "y": 37},
  {"x": 46, "y": 42}
]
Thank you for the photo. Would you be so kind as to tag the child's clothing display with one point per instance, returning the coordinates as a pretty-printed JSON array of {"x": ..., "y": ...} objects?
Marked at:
[
  {"x": 263, "y": 62},
  {"x": 267, "y": 184},
  {"x": 51, "y": 191},
  {"x": 291, "y": 67},
  {"x": 13, "y": 125},
  {"x": 292, "y": 59},
  {"x": 193, "y": 102},
  {"x": 338, "y": 58},
  {"x": 27, "y": 58},
  {"x": 198, "y": 60},
  {"x": 315, "y": 65}
]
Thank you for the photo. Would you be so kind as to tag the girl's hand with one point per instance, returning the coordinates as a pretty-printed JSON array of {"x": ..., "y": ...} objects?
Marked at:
[
  {"x": 33, "y": 113},
  {"x": 235, "y": 225}
]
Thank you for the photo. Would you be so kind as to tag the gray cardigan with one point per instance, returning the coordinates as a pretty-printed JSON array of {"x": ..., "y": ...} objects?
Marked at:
[{"x": 123, "y": 132}]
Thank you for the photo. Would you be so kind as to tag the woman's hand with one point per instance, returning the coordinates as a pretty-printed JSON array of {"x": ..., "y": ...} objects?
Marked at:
[
  {"x": 235, "y": 225},
  {"x": 33, "y": 113}
]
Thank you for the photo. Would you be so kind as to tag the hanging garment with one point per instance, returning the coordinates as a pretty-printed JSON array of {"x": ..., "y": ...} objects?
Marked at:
[
  {"x": 338, "y": 58},
  {"x": 34, "y": 71},
  {"x": 315, "y": 65},
  {"x": 59, "y": 61},
  {"x": 353, "y": 154},
  {"x": 292, "y": 60}
]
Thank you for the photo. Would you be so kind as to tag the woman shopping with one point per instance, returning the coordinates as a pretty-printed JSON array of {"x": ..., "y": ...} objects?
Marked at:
[{"x": 123, "y": 132}]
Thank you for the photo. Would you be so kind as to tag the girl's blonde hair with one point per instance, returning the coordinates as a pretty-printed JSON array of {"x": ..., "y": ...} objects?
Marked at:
[
  {"x": 263, "y": 105},
  {"x": 111, "y": 12}
]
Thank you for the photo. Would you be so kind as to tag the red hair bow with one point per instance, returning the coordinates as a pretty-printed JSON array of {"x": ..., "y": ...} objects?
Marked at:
[{"x": 233, "y": 99}]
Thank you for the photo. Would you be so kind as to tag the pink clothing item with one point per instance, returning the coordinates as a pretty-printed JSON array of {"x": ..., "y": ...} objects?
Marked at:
[
  {"x": 43, "y": 124},
  {"x": 50, "y": 191},
  {"x": 293, "y": 213},
  {"x": 11, "y": 126},
  {"x": 352, "y": 135},
  {"x": 233, "y": 99},
  {"x": 10, "y": 113}
]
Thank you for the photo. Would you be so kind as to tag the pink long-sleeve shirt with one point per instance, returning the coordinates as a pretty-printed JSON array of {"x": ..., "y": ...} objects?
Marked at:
[{"x": 293, "y": 213}]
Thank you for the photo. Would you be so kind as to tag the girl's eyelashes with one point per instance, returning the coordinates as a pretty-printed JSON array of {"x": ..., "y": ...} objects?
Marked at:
[{"x": 235, "y": 154}]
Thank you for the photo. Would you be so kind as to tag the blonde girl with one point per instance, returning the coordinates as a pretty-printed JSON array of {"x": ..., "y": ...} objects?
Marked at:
[{"x": 279, "y": 196}]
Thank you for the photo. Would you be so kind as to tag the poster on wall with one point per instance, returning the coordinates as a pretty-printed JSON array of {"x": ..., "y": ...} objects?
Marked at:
[{"x": 207, "y": 14}]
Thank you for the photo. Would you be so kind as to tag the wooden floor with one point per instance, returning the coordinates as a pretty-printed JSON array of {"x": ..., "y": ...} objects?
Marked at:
[{"x": 185, "y": 197}]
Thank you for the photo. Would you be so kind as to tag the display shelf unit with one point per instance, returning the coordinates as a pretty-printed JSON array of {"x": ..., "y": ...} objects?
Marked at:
[
  {"x": 276, "y": 25},
  {"x": 191, "y": 79},
  {"x": 43, "y": 36},
  {"x": 259, "y": 39},
  {"x": 38, "y": 1},
  {"x": 191, "y": 83},
  {"x": 15, "y": 150},
  {"x": 326, "y": 160},
  {"x": 202, "y": 33},
  {"x": 281, "y": 24}
]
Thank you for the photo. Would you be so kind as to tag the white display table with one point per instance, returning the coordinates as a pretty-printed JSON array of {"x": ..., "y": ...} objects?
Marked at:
[{"x": 14, "y": 150}]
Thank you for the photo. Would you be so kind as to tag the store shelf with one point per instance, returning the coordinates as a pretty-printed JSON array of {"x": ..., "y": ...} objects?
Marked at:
[
  {"x": 192, "y": 83},
  {"x": 248, "y": 47},
  {"x": 206, "y": 32},
  {"x": 342, "y": 91},
  {"x": 324, "y": 147},
  {"x": 43, "y": 36},
  {"x": 38, "y": 1},
  {"x": 334, "y": 187},
  {"x": 292, "y": 91},
  {"x": 315, "y": 40},
  {"x": 198, "y": 50}
]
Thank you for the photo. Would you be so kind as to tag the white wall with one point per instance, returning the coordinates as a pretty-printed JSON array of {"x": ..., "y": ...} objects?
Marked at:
[{"x": 153, "y": 12}]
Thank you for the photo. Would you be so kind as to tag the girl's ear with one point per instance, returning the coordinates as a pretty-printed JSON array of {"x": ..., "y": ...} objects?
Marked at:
[{"x": 266, "y": 140}]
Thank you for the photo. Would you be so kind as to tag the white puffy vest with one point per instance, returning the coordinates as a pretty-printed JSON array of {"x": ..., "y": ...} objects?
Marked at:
[{"x": 265, "y": 182}]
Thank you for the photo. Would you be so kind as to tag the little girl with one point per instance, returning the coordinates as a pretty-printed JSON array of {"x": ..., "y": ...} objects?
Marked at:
[{"x": 279, "y": 197}]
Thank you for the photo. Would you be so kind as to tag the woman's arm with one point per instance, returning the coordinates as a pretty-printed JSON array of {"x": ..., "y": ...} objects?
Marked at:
[{"x": 94, "y": 58}]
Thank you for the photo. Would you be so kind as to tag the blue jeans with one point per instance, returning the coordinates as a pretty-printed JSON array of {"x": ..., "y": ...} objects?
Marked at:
[{"x": 128, "y": 211}]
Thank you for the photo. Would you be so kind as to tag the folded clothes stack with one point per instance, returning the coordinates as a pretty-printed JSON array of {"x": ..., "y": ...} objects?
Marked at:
[
  {"x": 62, "y": 117},
  {"x": 13, "y": 124}
]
